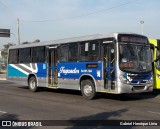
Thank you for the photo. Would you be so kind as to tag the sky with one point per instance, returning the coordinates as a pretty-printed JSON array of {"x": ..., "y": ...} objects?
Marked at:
[{"x": 57, "y": 19}]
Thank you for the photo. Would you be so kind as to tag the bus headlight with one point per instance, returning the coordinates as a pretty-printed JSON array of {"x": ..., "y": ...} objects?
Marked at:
[
  {"x": 151, "y": 80},
  {"x": 158, "y": 76},
  {"x": 123, "y": 79}
]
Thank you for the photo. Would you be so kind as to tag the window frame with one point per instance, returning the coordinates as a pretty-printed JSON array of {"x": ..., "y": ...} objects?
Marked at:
[
  {"x": 28, "y": 60},
  {"x": 68, "y": 50},
  {"x": 10, "y": 55},
  {"x": 97, "y": 41},
  {"x": 35, "y": 59}
]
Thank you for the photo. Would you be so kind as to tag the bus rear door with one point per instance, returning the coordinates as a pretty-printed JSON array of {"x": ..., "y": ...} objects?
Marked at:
[{"x": 52, "y": 66}]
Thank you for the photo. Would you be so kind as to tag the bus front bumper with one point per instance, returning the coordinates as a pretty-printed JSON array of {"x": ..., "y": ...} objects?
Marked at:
[{"x": 132, "y": 88}]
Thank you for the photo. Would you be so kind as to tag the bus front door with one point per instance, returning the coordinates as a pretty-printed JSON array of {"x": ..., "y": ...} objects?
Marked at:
[
  {"x": 109, "y": 67},
  {"x": 53, "y": 71}
]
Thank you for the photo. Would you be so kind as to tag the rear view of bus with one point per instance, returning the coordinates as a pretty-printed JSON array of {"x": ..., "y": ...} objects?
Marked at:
[{"x": 156, "y": 64}]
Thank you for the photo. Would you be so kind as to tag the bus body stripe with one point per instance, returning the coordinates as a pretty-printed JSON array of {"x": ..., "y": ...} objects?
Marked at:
[
  {"x": 14, "y": 66},
  {"x": 30, "y": 68}
]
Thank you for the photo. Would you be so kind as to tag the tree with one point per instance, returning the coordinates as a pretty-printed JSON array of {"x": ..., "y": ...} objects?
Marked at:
[
  {"x": 4, "y": 51},
  {"x": 36, "y": 41},
  {"x": 26, "y": 42}
]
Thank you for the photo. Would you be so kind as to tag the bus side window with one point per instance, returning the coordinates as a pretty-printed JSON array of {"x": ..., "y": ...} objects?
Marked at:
[
  {"x": 64, "y": 53},
  {"x": 38, "y": 54},
  {"x": 24, "y": 55},
  {"x": 83, "y": 52},
  {"x": 13, "y": 56},
  {"x": 34, "y": 54},
  {"x": 73, "y": 52},
  {"x": 89, "y": 51},
  {"x": 41, "y": 54}
]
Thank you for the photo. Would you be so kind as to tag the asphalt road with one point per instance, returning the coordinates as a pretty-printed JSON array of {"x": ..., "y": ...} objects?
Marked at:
[{"x": 17, "y": 102}]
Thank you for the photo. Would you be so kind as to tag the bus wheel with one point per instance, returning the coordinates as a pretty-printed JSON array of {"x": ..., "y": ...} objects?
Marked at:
[
  {"x": 33, "y": 84},
  {"x": 88, "y": 89}
]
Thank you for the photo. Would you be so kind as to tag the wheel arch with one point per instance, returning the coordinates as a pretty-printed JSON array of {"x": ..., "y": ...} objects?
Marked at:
[
  {"x": 85, "y": 77},
  {"x": 32, "y": 75}
]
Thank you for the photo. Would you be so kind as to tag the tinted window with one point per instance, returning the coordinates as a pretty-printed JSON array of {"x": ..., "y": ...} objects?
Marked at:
[
  {"x": 158, "y": 59},
  {"x": 24, "y": 55},
  {"x": 69, "y": 53},
  {"x": 38, "y": 54},
  {"x": 64, "y": 53},
  {"x": 89, "y": 51},
  {"x": 13, "y": 57},
  {"x": 73, "y": 52},
  {"x": 34, "y": 55}
]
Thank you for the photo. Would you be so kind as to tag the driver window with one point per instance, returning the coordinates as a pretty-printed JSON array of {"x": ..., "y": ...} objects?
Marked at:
[
  {"x": 158, "y": 64},
  {"x": 158, "y": 61},
  {"x": 124, "y": 54}
]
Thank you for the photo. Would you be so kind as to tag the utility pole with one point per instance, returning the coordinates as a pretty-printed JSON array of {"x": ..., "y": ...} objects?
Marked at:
[
  {"x": 142, "y": 25},
  {"x": 18, "y": 34}
]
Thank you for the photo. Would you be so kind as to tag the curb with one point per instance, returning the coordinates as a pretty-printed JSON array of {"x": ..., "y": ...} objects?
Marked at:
[{"x": 3, "y": 79}]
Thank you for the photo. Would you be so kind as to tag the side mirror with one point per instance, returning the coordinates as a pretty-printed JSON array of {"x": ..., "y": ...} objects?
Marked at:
[
  {"x": 151, "y": 46},
  {"x": 158, "y": 48},
  {"x": 158, "y": 58},
  {"x": 157, "y": 54}
]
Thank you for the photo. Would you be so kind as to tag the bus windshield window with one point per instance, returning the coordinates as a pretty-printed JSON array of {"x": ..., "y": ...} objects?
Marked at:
[
  {"x": 135, "y": 58},
  {"x": 158, "y": 59}
]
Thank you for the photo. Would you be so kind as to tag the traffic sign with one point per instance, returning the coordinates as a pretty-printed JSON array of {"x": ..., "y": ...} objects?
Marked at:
[{"x": 4, "y": 32}]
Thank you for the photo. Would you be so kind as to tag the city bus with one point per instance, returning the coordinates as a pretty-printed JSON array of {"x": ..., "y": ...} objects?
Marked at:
[
  {"x": 116, "y": 63},
  {"x": 156, "y": 64}
]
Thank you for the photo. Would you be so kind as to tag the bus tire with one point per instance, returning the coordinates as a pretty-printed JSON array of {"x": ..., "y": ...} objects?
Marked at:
[
  {"x": 33, "y": 84},
  {"x": 88, "y": 89}
]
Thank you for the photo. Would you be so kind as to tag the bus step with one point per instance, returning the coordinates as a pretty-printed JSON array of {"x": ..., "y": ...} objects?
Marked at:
[{"x": 53, "y": 87}]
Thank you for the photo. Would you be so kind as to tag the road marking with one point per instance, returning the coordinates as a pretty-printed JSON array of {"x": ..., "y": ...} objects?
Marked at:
[
  {"x": 5, "y": 91},
  {"x": 3, "y": 112},
  {"x": 154, "y": 112}
]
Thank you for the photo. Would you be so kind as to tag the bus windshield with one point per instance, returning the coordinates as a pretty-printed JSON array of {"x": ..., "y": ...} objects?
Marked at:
[
  {"x": 135, "y": 58},
  {"x": 158, "y": 59}
]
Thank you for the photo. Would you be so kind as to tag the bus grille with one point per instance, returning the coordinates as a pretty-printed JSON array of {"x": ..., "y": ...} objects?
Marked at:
[
  {"x": 141, "y": 78},
  {"x": 138, "y": 76},
  {"x": 138, "y": 88}
]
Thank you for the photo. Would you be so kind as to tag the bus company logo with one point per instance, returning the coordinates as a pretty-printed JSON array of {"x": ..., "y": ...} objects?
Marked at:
[{"x": 66, "y": 71}]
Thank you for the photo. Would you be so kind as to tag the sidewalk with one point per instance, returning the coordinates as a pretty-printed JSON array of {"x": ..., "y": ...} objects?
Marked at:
[{"x": 2, "y": 76}]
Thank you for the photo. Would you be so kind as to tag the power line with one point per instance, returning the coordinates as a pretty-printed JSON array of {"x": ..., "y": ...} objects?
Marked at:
[
  {"x": 11, "y": 14},
  {"x": 87, "y": 14},
  {"x": 3, "y": 4}
]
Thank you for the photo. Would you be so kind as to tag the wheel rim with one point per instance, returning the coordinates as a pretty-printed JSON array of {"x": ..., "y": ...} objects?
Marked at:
[
  {"x": 32, "y": 84},
  {"x": 88, "y": 90}
]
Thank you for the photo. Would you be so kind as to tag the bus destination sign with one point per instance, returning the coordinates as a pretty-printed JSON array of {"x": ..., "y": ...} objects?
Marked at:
[{"x": 132, "y": 39}]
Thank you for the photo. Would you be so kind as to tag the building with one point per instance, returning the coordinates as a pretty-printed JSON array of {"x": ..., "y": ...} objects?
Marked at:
[
  {"x": 0, "y": 55},
  {"x": 2, "y": 60}
]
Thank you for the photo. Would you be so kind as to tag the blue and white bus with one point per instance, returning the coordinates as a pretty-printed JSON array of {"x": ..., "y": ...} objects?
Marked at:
[{"x": 116, "y": 63}]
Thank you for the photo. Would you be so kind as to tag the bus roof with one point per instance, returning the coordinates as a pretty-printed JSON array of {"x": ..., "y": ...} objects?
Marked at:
[
  {"x": 69, "y": 40},
  {"x": 153, "y": 41}
]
